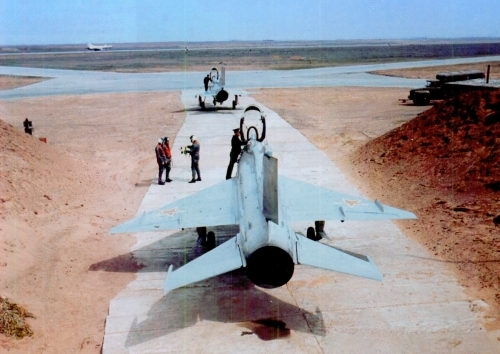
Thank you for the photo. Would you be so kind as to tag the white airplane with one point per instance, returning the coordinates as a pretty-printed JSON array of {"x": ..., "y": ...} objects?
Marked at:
[
  {"x": 90, "y": 46},
  {"x": 264, "y": 205},
  {"x": 214, "y": 88}
]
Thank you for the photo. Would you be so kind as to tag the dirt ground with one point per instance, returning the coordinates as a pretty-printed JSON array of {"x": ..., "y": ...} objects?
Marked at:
[
  {"x": 59, "y": 199},
  {"x": 10, "y": 82}
]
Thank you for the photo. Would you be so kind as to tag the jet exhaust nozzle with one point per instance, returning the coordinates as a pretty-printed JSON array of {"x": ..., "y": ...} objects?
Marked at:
[
  {"x": 222, "y": 96},
  {"x": 269, "y": 267}
]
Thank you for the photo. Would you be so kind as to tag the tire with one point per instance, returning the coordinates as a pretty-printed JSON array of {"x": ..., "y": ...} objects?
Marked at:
[
  {"x": 421, "y": 98},
  {"x": 311, "y": 233},
  {"x": 211, "y": 239}
]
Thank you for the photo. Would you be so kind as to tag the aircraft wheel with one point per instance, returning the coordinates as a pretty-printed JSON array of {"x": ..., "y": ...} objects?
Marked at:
[
  {"x": 211, "y": 239},
  {"x": 311, "y": 233},
  {"x": 202, "y": 235}
]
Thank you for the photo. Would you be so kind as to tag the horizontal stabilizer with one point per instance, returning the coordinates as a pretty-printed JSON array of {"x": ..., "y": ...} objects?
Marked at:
[
  {"x": 319, "y": 255},
  {"x": 306, "y": 202},
  {"x": 220, "y": 260},
  {"x": 213, "y": 206}
]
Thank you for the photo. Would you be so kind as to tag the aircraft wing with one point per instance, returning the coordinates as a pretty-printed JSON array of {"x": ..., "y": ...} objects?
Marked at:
[
  {"x": 220, "y": 260},
  {"x": 319, "y": 255},
  {"x": 306, "y": 202},
  {"x": 216, "y": 205}
]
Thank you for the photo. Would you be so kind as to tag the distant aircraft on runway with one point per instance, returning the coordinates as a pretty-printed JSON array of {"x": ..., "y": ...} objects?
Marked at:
[
  {"x": 263, "y": 205},
  {"x": 90, "y": 46},
  {"x": 214, "y": 88}
]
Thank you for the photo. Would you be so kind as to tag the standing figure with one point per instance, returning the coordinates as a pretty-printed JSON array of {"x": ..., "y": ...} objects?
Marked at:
[
  {"x": 194, "y": 151},
  {"x": 168, "y": 158},
  {"x": 28, "y": 126},
  {"x": 206, "y": 80},
  {"x": 236, "y": 144},
  {"x": 160, "y": 159}
]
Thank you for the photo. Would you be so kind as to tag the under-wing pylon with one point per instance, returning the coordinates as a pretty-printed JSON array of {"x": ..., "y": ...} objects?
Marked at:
[{"x": 264, "y": 204}]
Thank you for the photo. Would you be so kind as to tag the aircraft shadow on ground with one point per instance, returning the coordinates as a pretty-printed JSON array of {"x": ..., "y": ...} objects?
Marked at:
[
  {"x": 199, "y": 111},
  {"x": 230, "y": 297}
]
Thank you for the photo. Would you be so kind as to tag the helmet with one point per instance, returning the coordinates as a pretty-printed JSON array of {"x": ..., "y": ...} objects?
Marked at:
[
  {"x": 192, "y": 138},
  {"x": 166, "y": 138}
]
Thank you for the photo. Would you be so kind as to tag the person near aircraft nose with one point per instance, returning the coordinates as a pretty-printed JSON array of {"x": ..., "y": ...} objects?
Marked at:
[
  {"x": 168, "y": 158},
  {"x": 194, "y": 151},
  {"x": 206, "y": 80},
  {"x": 160, "y": 159},
  {"x": 236, "y": 145}
]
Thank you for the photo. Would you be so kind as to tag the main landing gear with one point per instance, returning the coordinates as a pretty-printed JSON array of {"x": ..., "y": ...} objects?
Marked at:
[
  {"x": 235, "y": 102},
  {"x": 317, "y": 232},
  {"x": 204, "y": 238},
  {"x": 201, "y": 103}
]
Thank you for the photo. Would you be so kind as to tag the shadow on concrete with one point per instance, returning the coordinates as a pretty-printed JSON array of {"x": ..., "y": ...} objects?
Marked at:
[
  {"x": 209, "y": 109},
  {"x": 232, "y": 298}
]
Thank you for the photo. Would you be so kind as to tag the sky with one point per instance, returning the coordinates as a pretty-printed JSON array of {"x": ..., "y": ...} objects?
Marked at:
[{"x": 127, "y": 21}]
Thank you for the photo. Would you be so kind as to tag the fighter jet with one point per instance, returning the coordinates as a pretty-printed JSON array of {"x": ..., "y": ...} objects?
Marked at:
[
  {"x": 264, "y": 204},
  {"x": 90, "y": 46},
  {"x": 214, "y": 88}
]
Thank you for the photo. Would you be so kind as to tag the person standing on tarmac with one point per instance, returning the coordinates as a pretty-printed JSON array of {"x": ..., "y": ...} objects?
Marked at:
[
  {"x": 168, "y": 158},
  {"x": 194, "y": 151},
  {"x": 160, "y": 159},
  {"x": 206, "y": 80},
  {"x": 236, "y": 145}
]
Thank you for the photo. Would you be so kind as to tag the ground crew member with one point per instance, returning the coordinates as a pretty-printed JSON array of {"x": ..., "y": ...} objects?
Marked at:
[
  {"x": 206, "y": 80},
  {"x": 28, "y": 126},
  {"x": 160, "y": 159},
  {"x": 236, "y": 145},
  {"x": 168, "y": 158},
  {"x": 194, "y": 151}
]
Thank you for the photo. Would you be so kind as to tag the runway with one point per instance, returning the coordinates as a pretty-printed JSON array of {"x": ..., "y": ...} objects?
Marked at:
[
  {"x": 418, "y": 307},
  {"x": 73, "y": 82}
]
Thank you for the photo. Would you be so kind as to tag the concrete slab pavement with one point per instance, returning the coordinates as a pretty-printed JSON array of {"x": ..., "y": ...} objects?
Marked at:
[{"x": 418, "y": 307}]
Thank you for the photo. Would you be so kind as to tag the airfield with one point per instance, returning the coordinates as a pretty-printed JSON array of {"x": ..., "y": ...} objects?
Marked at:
[{"x": 419, "y": 306}]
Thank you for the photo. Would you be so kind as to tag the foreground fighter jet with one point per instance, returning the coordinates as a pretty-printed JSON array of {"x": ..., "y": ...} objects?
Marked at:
[
  {"x": 263, "y": 205},
  {"x": 214, "y": 88}
]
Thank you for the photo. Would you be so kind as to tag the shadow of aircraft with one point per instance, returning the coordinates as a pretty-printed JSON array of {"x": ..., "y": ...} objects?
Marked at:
[{"x": 229, "y": 297}]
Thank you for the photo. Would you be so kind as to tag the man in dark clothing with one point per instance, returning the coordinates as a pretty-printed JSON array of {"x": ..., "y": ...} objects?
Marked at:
[
  {"x": 28, "y": 126},
  {"x": 206, "y": 80},
  {"x": 194, "y": 151},
  {"x": 160, "y": 159},
  {"x": 236, "y": 145},
  {"x": 168, "y": 158}
]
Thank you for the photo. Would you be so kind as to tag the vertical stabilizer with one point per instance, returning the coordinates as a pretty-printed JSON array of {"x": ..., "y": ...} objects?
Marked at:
[
  {"x": 270, "y": 189},
  {"x": 222, "y": 80}
]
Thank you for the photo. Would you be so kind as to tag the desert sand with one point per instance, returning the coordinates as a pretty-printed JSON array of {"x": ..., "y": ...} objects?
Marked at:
[{"x": 60, "y": 198}]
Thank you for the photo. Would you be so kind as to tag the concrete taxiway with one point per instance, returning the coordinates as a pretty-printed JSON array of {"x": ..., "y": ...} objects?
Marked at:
[
  {"x": 74, "y": 82},
  {"x": 418, "y": 307}
]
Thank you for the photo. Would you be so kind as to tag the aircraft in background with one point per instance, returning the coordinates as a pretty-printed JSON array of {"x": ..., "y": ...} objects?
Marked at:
[
  {"x": 263, "y": 204},
  {"x": 90, "y": 46},
  {"x": 214, "y": 88}
]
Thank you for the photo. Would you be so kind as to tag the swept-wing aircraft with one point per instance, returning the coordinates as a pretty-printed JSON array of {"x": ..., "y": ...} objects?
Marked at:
[
  {"x": 91, "y": 46},
  {"x": 214, "y": 84},
  {"x": 264, "y": 204}
]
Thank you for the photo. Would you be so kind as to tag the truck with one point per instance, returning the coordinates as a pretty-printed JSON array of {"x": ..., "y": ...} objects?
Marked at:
[{"x": 439, "y": 89}]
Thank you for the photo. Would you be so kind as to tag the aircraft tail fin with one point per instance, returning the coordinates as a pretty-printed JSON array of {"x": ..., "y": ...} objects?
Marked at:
[
  {"x": 220, "y": 260},
  {"x": 222, "y": 80},
  {"x": 270, "y": 189},
  {"x": 319, "y": 255}
]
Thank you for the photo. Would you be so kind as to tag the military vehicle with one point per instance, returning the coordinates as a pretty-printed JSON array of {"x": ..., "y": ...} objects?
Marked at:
[{"x": 438, "y": 89}]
